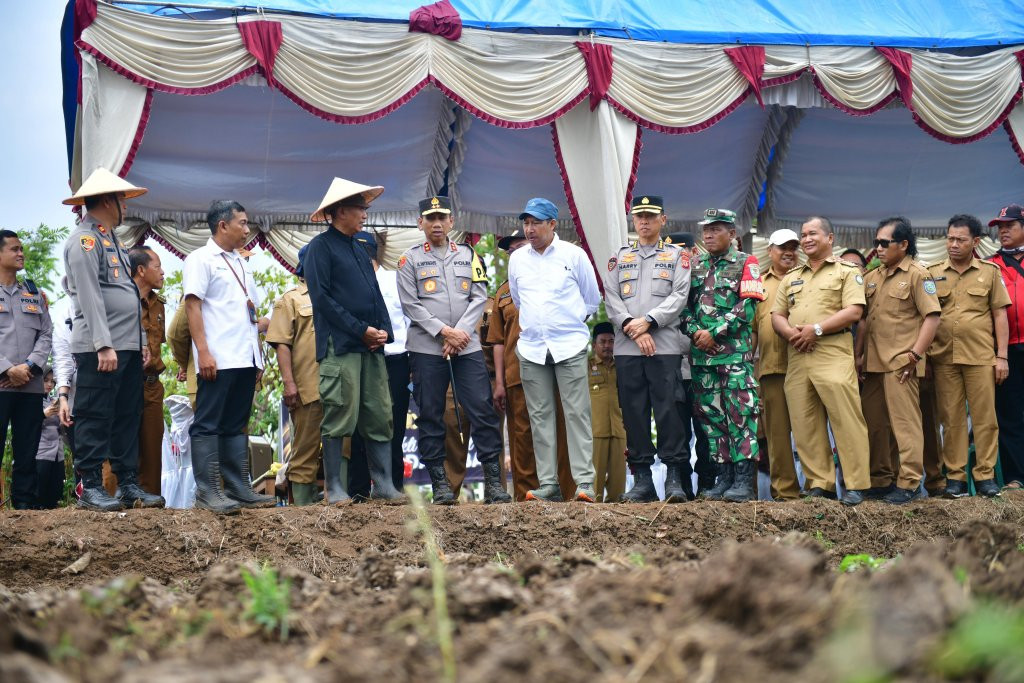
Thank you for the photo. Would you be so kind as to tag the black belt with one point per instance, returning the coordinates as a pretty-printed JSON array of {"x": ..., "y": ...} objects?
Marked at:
[
  {"x": 151, "y": 379},
  {"x": 842, "y": 331}
]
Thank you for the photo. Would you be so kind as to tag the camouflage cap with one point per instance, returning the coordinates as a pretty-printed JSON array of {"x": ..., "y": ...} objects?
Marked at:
[{"x": 718, "y": 216}]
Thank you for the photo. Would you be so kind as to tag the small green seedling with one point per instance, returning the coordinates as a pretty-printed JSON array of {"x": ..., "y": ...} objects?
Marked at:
[{"x": 269, "y": 600}]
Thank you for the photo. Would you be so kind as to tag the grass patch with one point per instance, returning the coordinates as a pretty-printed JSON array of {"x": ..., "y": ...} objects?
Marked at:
[{"x": 854, "y": 563}]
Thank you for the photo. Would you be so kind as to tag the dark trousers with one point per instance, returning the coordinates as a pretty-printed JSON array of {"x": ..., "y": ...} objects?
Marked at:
[
  {"x": 1010, "y": 415},
  {"x": 649, "y": 384},
  {"x": 398, "y": 384},
  {"x": 430, "y": 379},
  {"x": 223, "y": 406},
  {"x": 705, "y": 467},
  {"x": 24, "y": 412},
  {"x": 49, "y": 483},
  {"x": 108, "y": 407}
]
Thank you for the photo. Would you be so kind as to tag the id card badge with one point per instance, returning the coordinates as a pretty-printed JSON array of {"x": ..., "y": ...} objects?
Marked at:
[{"x": 252, "y": 311}]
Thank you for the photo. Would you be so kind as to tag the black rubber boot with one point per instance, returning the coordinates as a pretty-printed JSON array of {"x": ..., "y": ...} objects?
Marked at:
[
  {"x": 439, "y": 482},
  {"x": 494, "y": 489},
  {"x": 723, "y": 483},
  {"x": 643, "y": 487},
  {"x": 133, "y": 495},
  {"x": 744, "y": 487},
  {"x": 675, "y": 489},
  {"x": 95, "y": 497},
  {"x": 378, "y": 459},
  {"x": 335, "y": 472},
  {"x": 206, "y": 471},
  {"x": 234, "y": 464}
]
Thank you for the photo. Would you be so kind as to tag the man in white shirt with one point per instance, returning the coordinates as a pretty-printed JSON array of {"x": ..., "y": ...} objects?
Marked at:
[
  {"x": 221, "y": 301},
  {"x": 553, "y": 284}
]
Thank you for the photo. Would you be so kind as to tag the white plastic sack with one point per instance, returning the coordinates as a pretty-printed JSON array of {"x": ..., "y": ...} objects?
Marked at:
[{"x": 177, "y": 485}]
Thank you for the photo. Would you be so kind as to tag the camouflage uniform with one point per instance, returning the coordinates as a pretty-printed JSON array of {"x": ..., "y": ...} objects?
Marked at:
[{"x": 724, "y": 292}]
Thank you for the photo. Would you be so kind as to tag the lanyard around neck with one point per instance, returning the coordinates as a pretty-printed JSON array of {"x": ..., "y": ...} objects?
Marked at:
[{"x": 237, "y": 279}]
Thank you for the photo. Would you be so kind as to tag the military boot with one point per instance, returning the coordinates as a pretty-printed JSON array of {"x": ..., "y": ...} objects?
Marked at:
[
  {"x": 494, "y": 487},
  {"x": 304, "y": 494},
  {"x": 335, "y": 472},
  {"x": 95, "y": 497},
  {"x": 378, "y": 459},
  {"x": 206, "y": 471},
  {"x": 133, "y": 495},
  {"x": 723, "y": 483},
  {"x": 643, "y": 487},
  {"x": 744, "y": 486},
  {"x": 439, "y": 482},
  {"x": 675, "y": 489},
  {"x": 234, "y": 463}
]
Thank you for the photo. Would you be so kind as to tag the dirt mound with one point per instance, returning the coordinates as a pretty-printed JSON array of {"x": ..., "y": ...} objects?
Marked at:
[{"x": 567, "y": 592}]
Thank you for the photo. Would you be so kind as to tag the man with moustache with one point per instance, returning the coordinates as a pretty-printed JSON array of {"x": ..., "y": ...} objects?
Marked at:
[
  {"x": 606, "y": 418},
  {"x": 771, "y": 370},
  {"x": 968, "y": 356},
  {"x": 1009, "y": 406},
  {"x": 815, "y": 309},
  {"x": 443, "y": 289},
  {"x": 900, "y": 321}
]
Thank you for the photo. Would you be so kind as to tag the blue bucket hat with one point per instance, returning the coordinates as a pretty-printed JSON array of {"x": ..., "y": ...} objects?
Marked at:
[{"x": 541, "y": 209}]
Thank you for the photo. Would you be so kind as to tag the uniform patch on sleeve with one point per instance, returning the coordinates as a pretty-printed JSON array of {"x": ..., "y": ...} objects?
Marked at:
[
  {"x": 88, "y": 242},
  {"x": 611, "y": 263},
  {"x": 479, "y": 274},
  {"x": 751, "y": 286},
  {"x": 402, "y": 261},
  {"x": 859, "y": 279},
  {"x": 684, "y": 258},
  {"x": 929, "y": 287}
]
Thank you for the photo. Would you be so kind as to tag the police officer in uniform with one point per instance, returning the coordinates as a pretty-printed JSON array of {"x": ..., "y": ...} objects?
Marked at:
[
  {"x": 606, "y": 418},
  {"x": 900, "y": 322},
  {"x": 108, "y": 344},
  {"x": 443, "y": 289},
  {"x": 646, "y": 289},
  {"x": 719, "y": 319},
  {"x": 965, "y": 355},
  {"x": 293, "y": 338},
  {"x": 814, "y": 310},
  {"x": 25, "y": 340}
]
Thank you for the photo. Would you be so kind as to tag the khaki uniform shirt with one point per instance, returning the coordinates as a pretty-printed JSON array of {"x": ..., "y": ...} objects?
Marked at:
[
  {"x": 807, "y": 296},
  {"x": 438, "y": 287},
  {"x": 503, "y": 328},
  {"x": 154, "y": 324},
  {"x": 897, "y": 306},
  {"x": 292, "y": 324},
  {"x": 966, "y": 333},
  {"x": 605, "y": 413},
  {"x": 26, "y": 332},
  {"x": 772, "y": 349},
  {"x": 180, "y": 340},
  {"x": 650, "y": 282}
]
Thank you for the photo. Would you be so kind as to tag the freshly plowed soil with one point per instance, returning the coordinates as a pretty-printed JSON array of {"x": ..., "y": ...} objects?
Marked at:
[{"x": 539, "y": 592}]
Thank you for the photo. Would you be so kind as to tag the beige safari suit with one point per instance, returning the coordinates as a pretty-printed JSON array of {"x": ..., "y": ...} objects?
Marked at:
[
  {"x": 609, "y": 432},
  {"x": 897, "y": 306},
  {"x": 292, "y": 324},
  {"x": 963, "y": 356},
  {"x": 821, "y": 386}
]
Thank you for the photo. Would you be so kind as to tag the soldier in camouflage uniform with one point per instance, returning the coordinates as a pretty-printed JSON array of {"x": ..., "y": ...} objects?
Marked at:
[{"x": 724, "y": 291}]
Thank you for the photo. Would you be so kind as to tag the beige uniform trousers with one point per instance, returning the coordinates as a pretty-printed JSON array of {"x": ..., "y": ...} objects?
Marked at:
[
  {"x": 893, "y": 412},
  {"x": 778, "y": 435},
  {"x": 609, "y": 468},
  {"x": 959, "y": 388}
]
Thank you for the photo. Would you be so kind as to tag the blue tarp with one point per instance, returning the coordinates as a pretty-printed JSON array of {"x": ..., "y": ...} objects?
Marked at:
[{"x": 942, "y": 24}]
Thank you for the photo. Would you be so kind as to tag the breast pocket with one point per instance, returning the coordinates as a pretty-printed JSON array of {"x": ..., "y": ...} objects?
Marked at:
[
  {"x": 429, "y": 281},
  {"x": 832, "y": 293},
  {"x": 627, "y": 284},
  {"x": 977, "y": 298},
  {"x": 463, "y": 279},
  {"x": 793, "y": 294},
  {"x": 33, "y": 318},
  {"x": 899, "y": 298},
  {"x": 661, "y": 287}
]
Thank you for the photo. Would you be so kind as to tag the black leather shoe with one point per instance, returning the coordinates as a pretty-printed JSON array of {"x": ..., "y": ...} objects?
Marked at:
[
  {"x": 900, "y": 496},
  {"x": 133, "y": 495},
  {"x": 643, "y": 490},
  {"x": 818, "y": 492},
  {"x": 987, "y": 487},
  {"x": 955, "y": 489},
  {"x": 852, "y": 498},
  {"x": 97, "y": 498},
  {"x": 878, "y": 492}
]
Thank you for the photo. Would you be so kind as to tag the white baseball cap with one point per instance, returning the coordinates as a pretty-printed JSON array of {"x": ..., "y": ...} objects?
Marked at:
[{"x": 780, "y": 237}]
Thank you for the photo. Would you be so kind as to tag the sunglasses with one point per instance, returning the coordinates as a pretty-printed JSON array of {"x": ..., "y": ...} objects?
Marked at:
[{"x": 884, "y": 244}]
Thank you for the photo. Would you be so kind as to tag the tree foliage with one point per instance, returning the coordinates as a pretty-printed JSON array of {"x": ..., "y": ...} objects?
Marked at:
[{"x": 42, "y": 255}]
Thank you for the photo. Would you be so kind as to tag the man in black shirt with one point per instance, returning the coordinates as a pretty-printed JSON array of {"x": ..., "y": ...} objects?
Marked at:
[{"x": 352, "y": 325}]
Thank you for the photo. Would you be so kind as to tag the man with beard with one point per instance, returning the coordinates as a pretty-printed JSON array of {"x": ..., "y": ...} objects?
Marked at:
[{"x": 815, "y": 309}]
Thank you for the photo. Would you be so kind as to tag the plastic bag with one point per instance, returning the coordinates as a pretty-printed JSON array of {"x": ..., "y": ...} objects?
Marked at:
[{"x": 177, "y": 485}]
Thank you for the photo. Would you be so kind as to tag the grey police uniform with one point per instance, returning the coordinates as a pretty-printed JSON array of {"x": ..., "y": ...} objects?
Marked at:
[
  {"x": 650, "y": 282},
  {"x": 107, "y": 313},
  {"x": 441, "y": 286},
  {"x": 25, "y": 336}
]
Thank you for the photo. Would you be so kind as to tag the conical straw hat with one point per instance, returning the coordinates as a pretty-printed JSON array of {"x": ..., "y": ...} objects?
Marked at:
[
  {"x": 100, "y": 182},
  {"x": 344, "y": 189}
]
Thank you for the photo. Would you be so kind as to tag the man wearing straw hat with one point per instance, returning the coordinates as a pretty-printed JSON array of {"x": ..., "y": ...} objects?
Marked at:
[
  {"x": 352, "y": 325},
  {"x": 108, "y": 344}
]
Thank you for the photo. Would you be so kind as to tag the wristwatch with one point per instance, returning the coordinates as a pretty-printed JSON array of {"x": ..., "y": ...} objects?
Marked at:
[
  {"x": 33, "y": 368},
  {"x": 817, "y": 330}
]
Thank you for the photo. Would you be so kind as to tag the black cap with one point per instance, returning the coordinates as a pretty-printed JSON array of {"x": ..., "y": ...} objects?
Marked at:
[
  {"x": 683, "y": 239},
  {"x": 436, "y": 204},
  {"x": 506, "y": 241},
  {"x": 1013, "y": 212},
  {"x": 647, "y": 203},
  {"x": 603, "y": 327}
]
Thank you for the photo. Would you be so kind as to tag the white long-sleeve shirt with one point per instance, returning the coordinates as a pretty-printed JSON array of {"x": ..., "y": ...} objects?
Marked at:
[
  {"x": 555, "y": 291},
  {"x": 64, "y": 368},
  {"x": 388, "y": 282}
]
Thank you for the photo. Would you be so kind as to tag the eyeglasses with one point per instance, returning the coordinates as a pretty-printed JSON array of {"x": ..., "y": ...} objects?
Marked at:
[{"x": 882, "y": 243}]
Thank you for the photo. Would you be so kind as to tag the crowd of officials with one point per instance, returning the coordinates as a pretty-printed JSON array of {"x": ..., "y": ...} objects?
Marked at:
[{"x": 870, "y": 378}]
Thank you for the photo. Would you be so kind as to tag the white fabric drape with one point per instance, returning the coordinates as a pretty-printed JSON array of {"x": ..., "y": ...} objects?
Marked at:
[{"x": 597, "y": 152}]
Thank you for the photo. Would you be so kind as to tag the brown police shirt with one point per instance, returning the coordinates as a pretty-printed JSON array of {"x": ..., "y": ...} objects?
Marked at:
[
  {"x": 605, "y": 412},
  {"x": 772, "y": 349},
  {"x": 809, "y": 296},
  {"x": 897, "y": 306},
  {"x": 153, "y": 323},
  {"x": 503, "y": 328},
  {"x": 292, "y": 324},
  {"x": 966, "y": 332}
]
